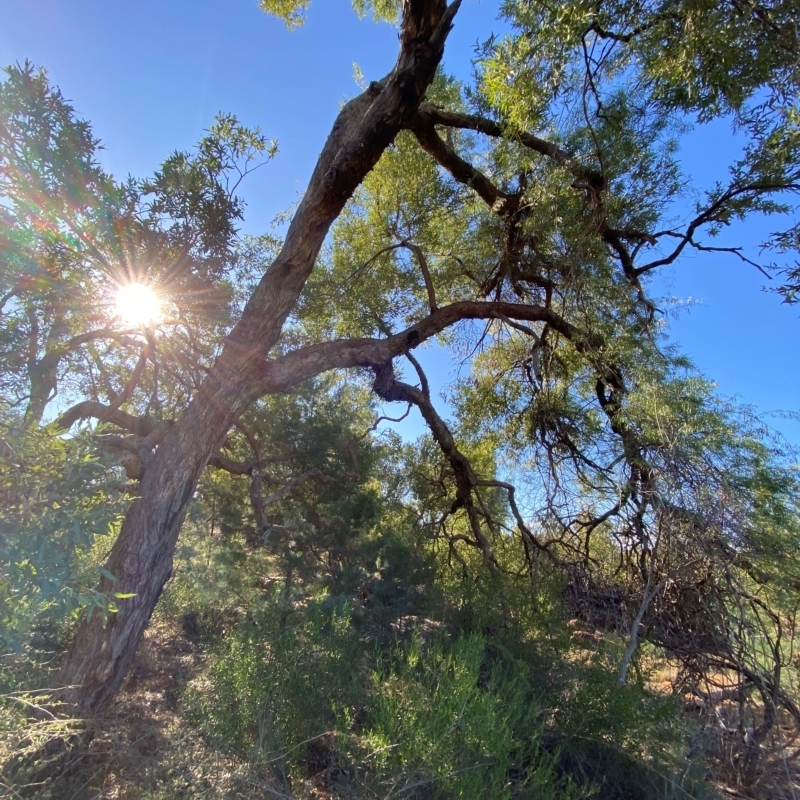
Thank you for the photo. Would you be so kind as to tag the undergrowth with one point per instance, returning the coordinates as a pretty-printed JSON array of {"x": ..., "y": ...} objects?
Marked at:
[{"x": 254, "y": 683}]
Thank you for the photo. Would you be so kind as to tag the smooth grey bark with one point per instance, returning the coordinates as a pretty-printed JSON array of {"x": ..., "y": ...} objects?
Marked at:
[{"x": 141, "y": 559}]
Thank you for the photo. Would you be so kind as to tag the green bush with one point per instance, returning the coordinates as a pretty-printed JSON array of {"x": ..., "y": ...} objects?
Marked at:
[
  {"x": 626, "y": 740},
  {"x": 488, "y": 713},
  {"x": 447, "y": 722},
  {"x": 57, "y": 503},
  {"x": 273, "y": 688}
]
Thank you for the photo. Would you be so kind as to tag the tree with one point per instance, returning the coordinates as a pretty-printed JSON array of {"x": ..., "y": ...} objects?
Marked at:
[
  {"x": 142, "y": 555},
  {"x": 71, "y": 231},
  {"x": 520, "y": 217}
]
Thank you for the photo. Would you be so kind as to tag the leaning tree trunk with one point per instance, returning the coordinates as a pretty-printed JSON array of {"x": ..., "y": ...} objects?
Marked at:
[{"x": 141, "y": 559}]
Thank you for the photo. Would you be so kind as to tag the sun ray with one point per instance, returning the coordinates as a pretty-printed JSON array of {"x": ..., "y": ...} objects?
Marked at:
[{"x": 137, "y": 304}]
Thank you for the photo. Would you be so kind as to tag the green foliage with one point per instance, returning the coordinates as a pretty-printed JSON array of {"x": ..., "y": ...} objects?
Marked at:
[
  {"x": 193, "y": 192},
  {"x": 273, "y": 689},
  {"x": 57, "y": 504},
  {"x": 405, "y": 199},
  {"x": 350, "y": 672},
  {"x": 700, "y": 56},
  {"x": 71, "y": 236},
  {"x": 293, "y": 12},
  {"x": 385, "y": 10},
  {"x": 625, "y": 739},
  {"x": 431, "y": 714},
  {"x": 450, "y": 724}
]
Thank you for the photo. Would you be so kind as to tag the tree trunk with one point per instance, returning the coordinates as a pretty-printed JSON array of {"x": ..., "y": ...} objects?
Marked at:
[
  {"x": 43, "y": 381},
  {"x": 141, "y": 559}
]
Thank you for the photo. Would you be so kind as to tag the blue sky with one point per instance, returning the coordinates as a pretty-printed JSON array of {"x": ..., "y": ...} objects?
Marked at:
[{"x": 150, "y": 76}]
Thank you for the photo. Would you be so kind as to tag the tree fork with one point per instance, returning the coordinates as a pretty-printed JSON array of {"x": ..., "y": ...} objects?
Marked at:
[{"x": 141, "y": 559}]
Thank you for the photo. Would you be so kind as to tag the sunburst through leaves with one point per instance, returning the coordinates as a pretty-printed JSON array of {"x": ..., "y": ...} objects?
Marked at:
[{"x": 137, "y": 304}]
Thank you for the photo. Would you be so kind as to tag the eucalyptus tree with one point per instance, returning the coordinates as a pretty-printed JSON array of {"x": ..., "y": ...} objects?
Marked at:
[
  {"x": 519, "y": 219},
  {"x": 72, "y": 237}
]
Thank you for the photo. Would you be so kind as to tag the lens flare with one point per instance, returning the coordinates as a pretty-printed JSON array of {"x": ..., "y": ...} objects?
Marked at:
[{"x": 137, "y": 304}]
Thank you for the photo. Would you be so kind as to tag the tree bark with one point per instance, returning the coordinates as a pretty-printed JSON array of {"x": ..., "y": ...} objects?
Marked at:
[{"x": 141, "y": 559}]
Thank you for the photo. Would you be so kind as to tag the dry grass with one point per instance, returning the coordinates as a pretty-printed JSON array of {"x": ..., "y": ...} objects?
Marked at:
[
  {"x": 777, "y": 775},
  {"x": 143, "y": 749}
]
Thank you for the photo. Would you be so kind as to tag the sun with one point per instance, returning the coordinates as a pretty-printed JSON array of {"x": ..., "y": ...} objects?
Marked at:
[{"x": 137, "y": 304}]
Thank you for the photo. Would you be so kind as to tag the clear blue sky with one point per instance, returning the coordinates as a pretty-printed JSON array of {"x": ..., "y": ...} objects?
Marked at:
[{"x": 150, "y": 76}]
